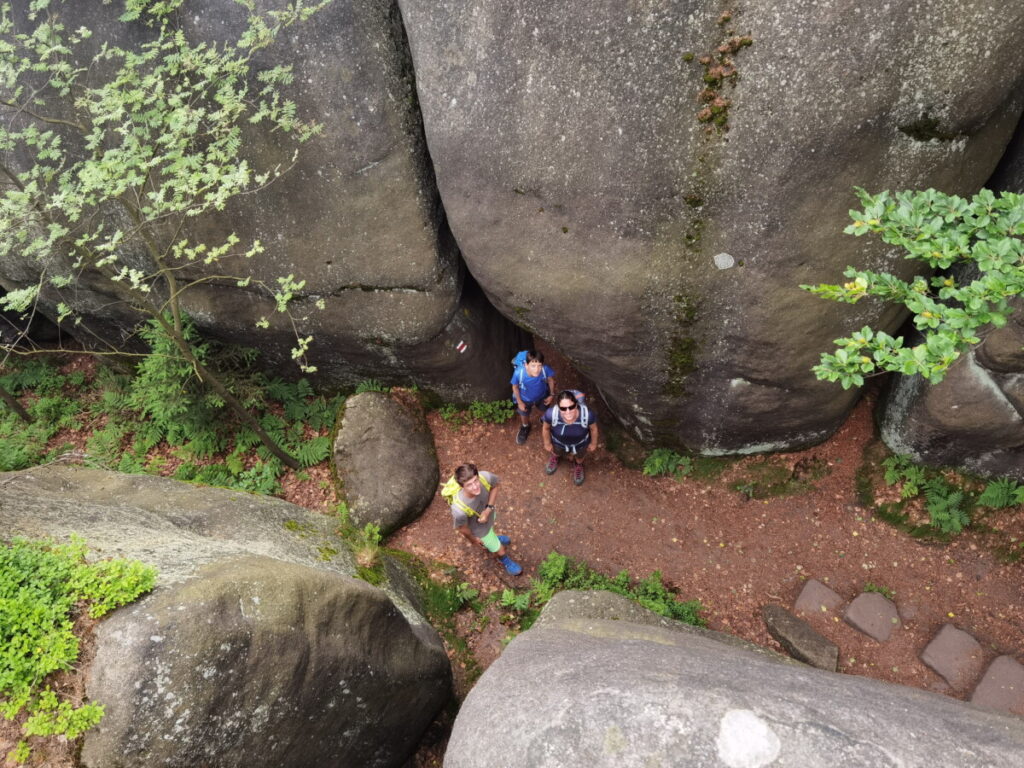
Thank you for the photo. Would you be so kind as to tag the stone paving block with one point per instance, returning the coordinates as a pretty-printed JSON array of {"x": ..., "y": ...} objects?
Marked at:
[
  {"x": 800, "y": 641},
  {"x": 1002, "y": 687},
  {"x": 874, "y": 615},
  {"x": 954, "y": 655},
  {"x": 815, "y": 598}
]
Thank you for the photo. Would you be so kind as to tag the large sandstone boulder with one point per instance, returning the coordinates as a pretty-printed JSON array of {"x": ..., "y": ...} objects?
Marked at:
[
  {"x": 385, "y": 460},
  {"x": 662, "y": 255},
  {"x": 583, "y": 691},
  {"x": 257, "y": 647},
  {"x": 358, "y": 218}
]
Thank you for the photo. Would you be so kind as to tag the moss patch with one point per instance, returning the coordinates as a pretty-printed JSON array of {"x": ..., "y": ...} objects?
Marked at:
[
  {"x": 769, "y": 478},
  {"x": 682, "y": 347}
]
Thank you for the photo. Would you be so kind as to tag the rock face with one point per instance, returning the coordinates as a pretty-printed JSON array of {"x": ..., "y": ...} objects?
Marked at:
[
  {"x": 253, "y": 650},
  {"x": 973, "y": 418},
  {"x": 358, "y": 218},
  {"x": 385, "y": 459},
  {"x": 569, "y": 143},
  {"x": 584, "y": 691}
]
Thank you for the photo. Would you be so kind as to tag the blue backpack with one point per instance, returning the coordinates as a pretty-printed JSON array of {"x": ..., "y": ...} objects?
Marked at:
[{"x": 519, "y": 365}]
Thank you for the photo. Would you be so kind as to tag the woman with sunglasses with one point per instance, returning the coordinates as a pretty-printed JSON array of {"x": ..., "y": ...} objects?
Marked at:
[{"x": 570, "y": 429}]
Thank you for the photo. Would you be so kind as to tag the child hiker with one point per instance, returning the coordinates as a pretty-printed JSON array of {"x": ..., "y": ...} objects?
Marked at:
[
  {"x": 533, "y": 386},
  {"x": 473, "y": 513}
]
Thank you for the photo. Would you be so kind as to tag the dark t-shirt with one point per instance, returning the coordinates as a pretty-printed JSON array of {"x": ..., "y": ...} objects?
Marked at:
[{"x": 569, "y": 435}]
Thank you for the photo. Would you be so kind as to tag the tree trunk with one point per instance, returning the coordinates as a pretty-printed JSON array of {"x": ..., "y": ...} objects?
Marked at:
[
  {"x": 211, "y": 380},
  {"x": 15, "y": 406}
]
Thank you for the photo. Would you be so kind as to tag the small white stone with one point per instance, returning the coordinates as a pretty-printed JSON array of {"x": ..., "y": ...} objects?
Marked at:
[
  {"x": 746, "y": 741},
  {"x": 724, "y": 261}
]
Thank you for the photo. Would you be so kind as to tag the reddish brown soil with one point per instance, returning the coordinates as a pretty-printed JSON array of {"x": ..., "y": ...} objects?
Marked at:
[{"x": 733, "y": 554}]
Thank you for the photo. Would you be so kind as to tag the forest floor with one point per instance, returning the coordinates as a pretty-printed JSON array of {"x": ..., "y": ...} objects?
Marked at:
[{"x": 718, "y": 545}]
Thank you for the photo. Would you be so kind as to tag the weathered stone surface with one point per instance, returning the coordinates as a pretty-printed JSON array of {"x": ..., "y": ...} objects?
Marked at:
[
  {"x": 973, "y": 418},
  {"x": 1009, "y": 174},
  {"x": 954, "y": 655},
  {"x": 385, "y": 459},
  {"x": 816, "y": 598},
  {"x": 799, "y": 639},
  {"x": 573, "y": 605},
  {"x": 516, "y": 99},
  {"x": 358, "y": 218},
  {"x": 1002, "y": 687},
  {"x": 874, "y": 615},
  {"x": 256, "y": 648},
  {"x": 590, "y": 693}
]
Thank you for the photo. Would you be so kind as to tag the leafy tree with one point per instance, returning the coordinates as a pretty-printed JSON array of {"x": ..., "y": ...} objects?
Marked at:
[
  {"x": 109, "y": 153},
  {"x": 953, "y": 308}
]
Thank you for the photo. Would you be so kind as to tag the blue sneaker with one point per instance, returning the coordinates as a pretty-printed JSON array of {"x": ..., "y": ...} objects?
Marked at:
[
  {"x": 511, "y": 565},
  {"x": 505, "y": 540}
]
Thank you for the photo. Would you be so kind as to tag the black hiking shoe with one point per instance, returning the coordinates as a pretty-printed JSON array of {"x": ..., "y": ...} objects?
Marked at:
[{"x": 524, "y": 432}]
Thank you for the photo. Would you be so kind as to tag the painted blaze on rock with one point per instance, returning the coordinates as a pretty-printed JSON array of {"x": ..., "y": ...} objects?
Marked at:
[{"x": 590, "y": 201}]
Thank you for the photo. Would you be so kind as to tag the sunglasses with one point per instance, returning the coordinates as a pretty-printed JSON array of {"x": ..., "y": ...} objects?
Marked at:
[{"x": 566, "y": 407}]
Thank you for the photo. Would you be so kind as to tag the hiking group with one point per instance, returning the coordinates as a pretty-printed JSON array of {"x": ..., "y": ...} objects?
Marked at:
[{"x": 568, "y": 428}]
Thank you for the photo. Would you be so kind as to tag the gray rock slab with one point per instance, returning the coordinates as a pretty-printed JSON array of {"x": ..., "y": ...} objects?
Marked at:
[
  {"x": 955, "y": 655},
  {"x": 385, "y": 460},
  {"x": 577, "y": 605},
  {"x": 799, "y": 639},
  {"x": 973, "y": 418},
  {"x": 816, "y": 598},
  {"x": 256, "y": 647},
  {"x": 874, "y": 615},
  {"x": 1002, "y": 687},
  {"x": 597, "y": 693}
]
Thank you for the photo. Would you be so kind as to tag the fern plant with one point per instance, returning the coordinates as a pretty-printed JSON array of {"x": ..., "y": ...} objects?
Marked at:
[
  {"x": 945, "y": 505},
  {"x": 900, "y": 469},
  {"x": 1001, "y": 493},
  {"x": 371, "y": 385},
  {"x": 663, "y": 461}
]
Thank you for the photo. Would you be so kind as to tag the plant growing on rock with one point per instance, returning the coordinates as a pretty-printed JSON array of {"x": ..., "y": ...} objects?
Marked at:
[
  {"x": 110, "y": 153},
  {"x": 952, "y": 309}
]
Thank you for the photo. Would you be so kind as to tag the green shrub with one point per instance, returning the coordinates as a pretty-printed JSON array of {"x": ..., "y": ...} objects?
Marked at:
[
  {"x": 52, "y": 407},
  {"x": 663, "y": 461},
  {"x": 163, "y": 403},
  {"x": 558, "y": 572},
  {"x": 41, "y": 587},
  {"x": 496, "y": 412}
]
